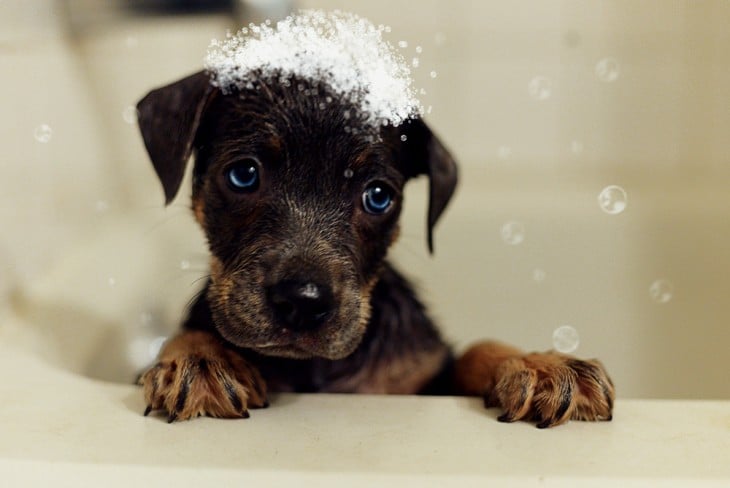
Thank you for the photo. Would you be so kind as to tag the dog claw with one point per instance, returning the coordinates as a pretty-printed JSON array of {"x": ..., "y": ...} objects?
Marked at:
[
  {"x": 147, "y": 410},
  {"x": 265, "y": 404},
  {"x": 172, "y": 418},
  {"x": 544, "y": 424},
  {"x": 505, "y": 417},
  {"x": 245, "y": 414}
]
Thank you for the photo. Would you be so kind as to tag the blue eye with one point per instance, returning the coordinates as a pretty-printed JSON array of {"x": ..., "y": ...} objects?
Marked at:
[
  {"x": 377, "y": 198},
  {"x": 243, "y": 177}
]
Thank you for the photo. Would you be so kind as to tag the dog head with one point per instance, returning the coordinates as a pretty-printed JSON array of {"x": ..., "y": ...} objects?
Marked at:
[{"x": 298, "y": 201}]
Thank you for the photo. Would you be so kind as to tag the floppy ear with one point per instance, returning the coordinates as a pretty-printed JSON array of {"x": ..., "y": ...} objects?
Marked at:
[
  {"x": 426, "y": 155},
  {"x": 169, "y": 118}
]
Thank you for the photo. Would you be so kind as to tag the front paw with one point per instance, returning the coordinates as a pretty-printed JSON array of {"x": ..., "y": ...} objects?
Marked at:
[
  {"x": 552, "y": 388},
  {"x": 197, "y": 376}
]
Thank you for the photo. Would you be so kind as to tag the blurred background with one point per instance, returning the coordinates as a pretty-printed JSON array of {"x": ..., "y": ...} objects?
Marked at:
[{"x": 593, "y": 213}]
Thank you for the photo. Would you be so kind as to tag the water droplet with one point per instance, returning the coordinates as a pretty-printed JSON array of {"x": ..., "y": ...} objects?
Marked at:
[
  {"x": 433, "y": 74},
  {"x": 576, "y": 147},
  {"x": 504, "y": 152},
  {"x": 612, "y": 199},
  {"x": 43, "y": 133},
  {"x": 539, "y": 88},
  {"x": 419, "y": 49},
  {"x": 129, "y": 114},
  {"x": 184, "y": 264},
  {"x": 608, "y": 70},
  {"x": 349, "y": 173},
  {"x": 416, "y": 62},
  {"x": 538, "y": 275},
  {"x": 403, "y": 44},
  {"x": 404, "y": 138},
  {"x": 565, "y": 339},
  {"x": 661, "y": 291},
  {"x": 513, "y": 233}
]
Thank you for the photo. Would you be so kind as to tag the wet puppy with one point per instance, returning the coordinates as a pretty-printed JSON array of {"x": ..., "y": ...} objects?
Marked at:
[{"x": 300, "y": 202}]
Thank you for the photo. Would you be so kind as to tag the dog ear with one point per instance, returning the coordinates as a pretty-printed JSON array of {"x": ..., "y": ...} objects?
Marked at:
[
  {"x": 425, "y": 154},
  {"x": 169, "y": 118}
]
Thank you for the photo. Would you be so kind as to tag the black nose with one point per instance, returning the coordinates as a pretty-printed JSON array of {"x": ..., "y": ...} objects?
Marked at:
[{"x": 300, "y": 305}]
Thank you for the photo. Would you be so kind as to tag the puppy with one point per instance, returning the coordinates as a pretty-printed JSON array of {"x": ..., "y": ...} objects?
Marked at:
[{"x": 299, "y": 202}]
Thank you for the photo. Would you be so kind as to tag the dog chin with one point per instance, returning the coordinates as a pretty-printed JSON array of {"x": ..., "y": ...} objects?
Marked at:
[{"x": 305, "y": 350}]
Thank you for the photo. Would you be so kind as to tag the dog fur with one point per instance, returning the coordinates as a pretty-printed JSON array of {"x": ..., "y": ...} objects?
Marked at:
[{"x": 304, "y": 228}]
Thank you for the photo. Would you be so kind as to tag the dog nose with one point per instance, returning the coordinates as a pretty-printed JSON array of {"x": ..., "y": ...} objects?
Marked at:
[{"x": 300, "y": 305}]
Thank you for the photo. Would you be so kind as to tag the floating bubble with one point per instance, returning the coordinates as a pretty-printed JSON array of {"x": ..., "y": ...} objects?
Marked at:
[
  {"x": 661, "y": 291},
  {"x": 349, "y": 173},
  {"x": 607, "y": 70},
  {"x": 504, "y": 152},
  {"x": 576, "y": 147},
  {"x": 129, "y": 114},
  {"x": 433, "y": 74},
  {"x": 513, "y": 233},
  {"x": 43, "y": 133},
  {"x": 184, "y": 264},
  {"x": 404, "y": 138},
  {"x": 565, "y": 339},
  {"x": 539, "y": 88},
  {"x": 416, "y": 62},
  {"x": 419, "y": 49},
  {"x": 101, "y": 206},
  {"x": 612, "y": 199},
  {"x": 403, "y": 44},
  {"x": 538, "y": 275}
]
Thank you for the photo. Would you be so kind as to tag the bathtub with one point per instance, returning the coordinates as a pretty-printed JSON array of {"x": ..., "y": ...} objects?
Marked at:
[{"x": 95, "y": 272}]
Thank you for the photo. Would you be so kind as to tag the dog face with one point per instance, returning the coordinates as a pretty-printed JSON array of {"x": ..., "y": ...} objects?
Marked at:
[{"x": 299, "y": 202}]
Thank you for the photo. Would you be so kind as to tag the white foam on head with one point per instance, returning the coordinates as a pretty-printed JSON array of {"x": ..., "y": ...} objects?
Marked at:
[{"x": 344, "y": 51}]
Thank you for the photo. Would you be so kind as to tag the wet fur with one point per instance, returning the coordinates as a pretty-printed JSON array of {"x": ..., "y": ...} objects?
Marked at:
[{"x": 306, "y": 220}]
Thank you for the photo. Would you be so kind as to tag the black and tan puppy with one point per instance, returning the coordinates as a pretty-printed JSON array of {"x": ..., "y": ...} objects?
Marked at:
[{"x": 299, "y": 208}]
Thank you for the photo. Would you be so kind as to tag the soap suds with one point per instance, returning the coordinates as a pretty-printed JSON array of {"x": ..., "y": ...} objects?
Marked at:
[{"x": 344, "y": 51}]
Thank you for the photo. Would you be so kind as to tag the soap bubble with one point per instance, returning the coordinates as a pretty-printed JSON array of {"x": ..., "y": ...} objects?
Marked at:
[
  {"x": 419, "y": 49},
  {"x": 565, "y": 339},
  {"x": 129, "y": 114},
  {"x": 504, "y": 152},
  {"x": 661, "y": 291},
  {"x": 349, "y": 173},
  {"x": 576, "y": 147},
  {"x": 416, "y": 62},
  {"x": 403, "y": 44},
  {"x": 101, "y": 206},
  {"x": 404, "y": 138},
  {"x": 513, "y": 233},
  {"x": 43, "y": 133},
  {"x": 539, "y": 88},
  {"x": 607, "y": 70},
  {"x": 612, "y": 199},
  {"x": 538, "y": 275},
  {"x": 184, "y": 264},
  {"x": 433, "y": 74}
]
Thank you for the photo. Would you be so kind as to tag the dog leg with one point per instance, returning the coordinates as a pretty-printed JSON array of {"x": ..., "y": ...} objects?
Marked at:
[
  {"x": 550, "y": 388},
  {"x": 196, "y": 375}
]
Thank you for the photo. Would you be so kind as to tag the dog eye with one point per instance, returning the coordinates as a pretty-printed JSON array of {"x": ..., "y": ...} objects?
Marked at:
[
  {"x": 243, "y": 177},
  {"x": 377, "y": 198}
]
